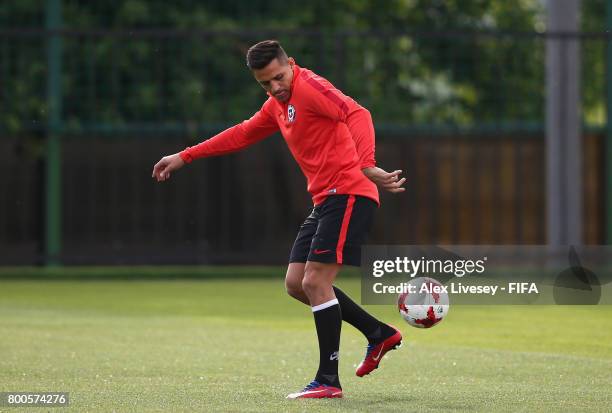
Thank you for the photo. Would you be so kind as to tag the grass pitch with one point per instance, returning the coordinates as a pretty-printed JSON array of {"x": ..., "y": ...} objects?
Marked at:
[{"x": 242, "y": 345}]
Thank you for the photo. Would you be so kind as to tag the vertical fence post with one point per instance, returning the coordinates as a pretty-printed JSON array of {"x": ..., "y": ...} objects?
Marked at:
[
  {"x": 563, "y": 125},
  {"x": 608, "y": 140},
  {"x": 53, "y": 215}
]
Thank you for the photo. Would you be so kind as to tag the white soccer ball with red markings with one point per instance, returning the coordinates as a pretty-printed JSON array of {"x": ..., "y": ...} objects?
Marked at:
[{"x": 426, "y": 306}]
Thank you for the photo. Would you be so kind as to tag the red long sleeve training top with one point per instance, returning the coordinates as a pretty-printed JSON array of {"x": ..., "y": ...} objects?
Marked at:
[{"x": 329, "y": 134}]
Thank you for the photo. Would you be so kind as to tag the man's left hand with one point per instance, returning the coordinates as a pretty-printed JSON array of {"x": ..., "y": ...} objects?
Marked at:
[{"x": 388, "y": 181}]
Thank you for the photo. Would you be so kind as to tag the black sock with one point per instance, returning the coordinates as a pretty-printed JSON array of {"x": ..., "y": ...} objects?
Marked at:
[
  {"x": 328, "y": 321},
  {"x": 374, "y": 329}
]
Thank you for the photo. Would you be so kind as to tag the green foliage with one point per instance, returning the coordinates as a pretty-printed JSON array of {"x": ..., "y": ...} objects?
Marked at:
[
  {"x": 401, "y": 58},
  {"x": 22, "y": 13},
  {"x": 594, "y": 63}
]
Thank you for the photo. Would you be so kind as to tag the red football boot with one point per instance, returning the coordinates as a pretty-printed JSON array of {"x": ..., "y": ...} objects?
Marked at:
[
  {"x": 376, "y": 352},
  {"x": 316, "y": 390}
]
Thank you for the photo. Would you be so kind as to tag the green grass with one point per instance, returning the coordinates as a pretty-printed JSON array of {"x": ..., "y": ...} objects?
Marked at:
[
  {"x": 142, "y": 272},
  {"x": 242, "y": 345}
]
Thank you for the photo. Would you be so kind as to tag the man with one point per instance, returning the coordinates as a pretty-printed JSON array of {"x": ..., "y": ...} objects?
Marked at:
[{"x": 332, "y": 139}]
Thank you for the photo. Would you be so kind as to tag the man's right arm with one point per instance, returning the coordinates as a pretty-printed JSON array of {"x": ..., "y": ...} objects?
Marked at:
[
  {"x": 258, "y": 127},
  {"x": 253, "y": 130}
]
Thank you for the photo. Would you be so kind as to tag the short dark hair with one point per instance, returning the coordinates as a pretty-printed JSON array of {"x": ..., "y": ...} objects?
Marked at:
[{"x": 261, "y": 54}]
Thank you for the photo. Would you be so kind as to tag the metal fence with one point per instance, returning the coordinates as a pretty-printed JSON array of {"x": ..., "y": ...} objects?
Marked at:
[
  {"x": 461, "y": 113},
  {"x": 130, "y": 80}
]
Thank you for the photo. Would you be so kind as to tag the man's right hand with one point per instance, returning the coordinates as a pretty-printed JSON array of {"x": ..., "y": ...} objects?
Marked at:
[{"x": 167, "y": 164}]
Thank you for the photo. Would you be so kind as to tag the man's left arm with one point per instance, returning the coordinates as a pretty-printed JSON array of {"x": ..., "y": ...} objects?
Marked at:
[
  {"x": 332, "y": 103},
  {"x": 336, "y": 105},
  {"x": 359, "y": 123}
]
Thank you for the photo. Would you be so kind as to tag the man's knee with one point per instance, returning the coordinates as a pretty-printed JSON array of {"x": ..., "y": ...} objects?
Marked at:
[
  {"x": 309, "y": 284},
  {"x": 294, "y": 287},
  {"x": 293, "y": 280},
  {"x": 317, "y": 276}
]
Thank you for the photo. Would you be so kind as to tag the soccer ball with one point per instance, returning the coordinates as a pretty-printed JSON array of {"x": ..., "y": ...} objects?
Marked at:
[{"x": 425, "y": 307}]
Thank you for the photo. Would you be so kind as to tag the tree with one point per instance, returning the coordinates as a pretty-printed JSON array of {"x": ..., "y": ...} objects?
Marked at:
[{"x": 405, "y": 60}]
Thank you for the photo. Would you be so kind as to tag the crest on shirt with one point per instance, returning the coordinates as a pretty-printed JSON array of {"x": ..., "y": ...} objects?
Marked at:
[{"x": 290, "y": 113}]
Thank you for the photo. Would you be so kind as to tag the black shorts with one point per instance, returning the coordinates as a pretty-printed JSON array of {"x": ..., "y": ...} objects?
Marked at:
[{"x": 335, "y": 231}]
